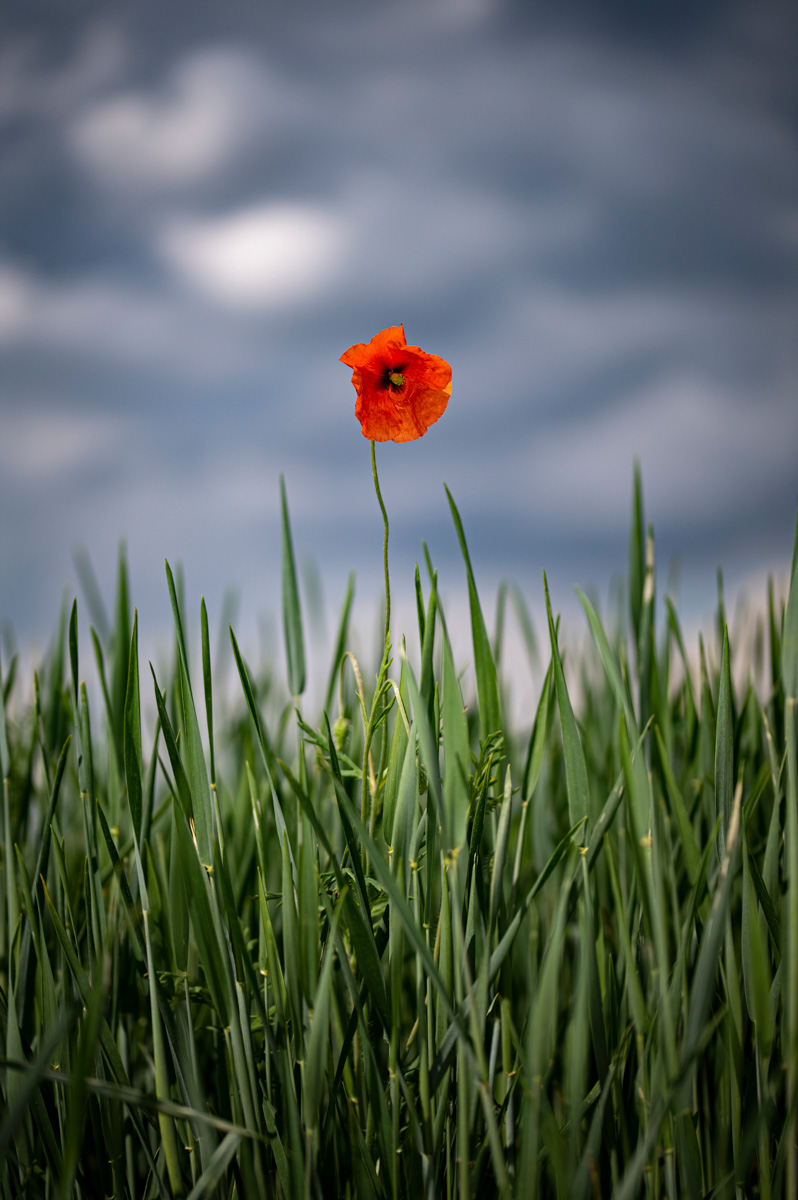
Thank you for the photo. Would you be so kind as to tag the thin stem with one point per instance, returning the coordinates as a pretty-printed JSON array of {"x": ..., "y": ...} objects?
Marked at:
[{"x": 384, "y": 545}]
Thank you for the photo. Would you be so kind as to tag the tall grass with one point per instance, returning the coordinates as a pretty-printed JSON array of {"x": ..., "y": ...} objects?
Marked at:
[{"x": 397, "y": 949}]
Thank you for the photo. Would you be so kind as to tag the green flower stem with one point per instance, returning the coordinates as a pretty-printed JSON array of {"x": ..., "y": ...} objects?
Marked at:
[
  {"x": 380, "y": 693},
  {"x": 384, "y": 545}
]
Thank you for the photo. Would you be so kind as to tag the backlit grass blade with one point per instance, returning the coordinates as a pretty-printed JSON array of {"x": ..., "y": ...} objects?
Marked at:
[
  {"x": 292, "y": 615},
  {"x": 789, "y": 633},
  {"x": 340, "y": 640},
  {"x": 646, "y": 655},
  {"x": 120, "y": 645},
  {"x": 724, "y": 745},
  {"x": 790, "y": 990},
  {"x": 689, "y": 844},
  {"x": 193, "y": 754},
  {"x": 266, "y": 754},
  {"x": 165, "y": 1123},
  {"x": 487, "y": 688},
  {"x": 25, "y": 1092},
  {"x": 609, "y": 663},
  {"x": 537, "y": 738},
  {"x": 457, "y": 768},
  {"x": 208, "y": 685},
  {"x": 757, "y": 979},
  {"x": 317, "y": 1049},
  {"x": 575, "y": 768},
  {"x": 132, "y": 735},
  {"x": 106, "y": 1040},
  {"x": 207, "y": 934},
  {"x": 709, "y": 946},
  {"x": 5, "y": 756},
  {"x": 396, "y": 757},
  {"x": 216, "y": 1168},
  {"x": 503, "y": 948},
  {"x": 25, "y": 971},
  {"x": 183, "y": 791},
  {"x": 636, "y": 559}
]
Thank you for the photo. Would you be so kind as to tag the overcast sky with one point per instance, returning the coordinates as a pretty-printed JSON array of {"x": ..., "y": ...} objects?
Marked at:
[{"x": 595, "y": 221}]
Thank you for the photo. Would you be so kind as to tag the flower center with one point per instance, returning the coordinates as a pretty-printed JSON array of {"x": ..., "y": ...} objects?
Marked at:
[{"x": 396, "y": 380}]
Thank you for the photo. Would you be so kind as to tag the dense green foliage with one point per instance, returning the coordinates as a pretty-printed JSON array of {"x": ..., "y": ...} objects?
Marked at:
[{"x": 399, "y": 949}]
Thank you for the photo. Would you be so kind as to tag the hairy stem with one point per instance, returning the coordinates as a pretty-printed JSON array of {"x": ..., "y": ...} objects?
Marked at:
[{"x": 384, "y": 545}]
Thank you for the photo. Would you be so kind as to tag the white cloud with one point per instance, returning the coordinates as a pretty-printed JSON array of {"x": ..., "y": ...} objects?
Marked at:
[
  {"x": 257, "y": 257},
  {"x": 105, "y": 320},
  {"x": 37, "y": 445},
  {"x": 182, "y": 135}
]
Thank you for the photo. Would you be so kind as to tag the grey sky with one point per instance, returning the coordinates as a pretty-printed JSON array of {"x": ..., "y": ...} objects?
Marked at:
[{"x": 202, "y": 206}]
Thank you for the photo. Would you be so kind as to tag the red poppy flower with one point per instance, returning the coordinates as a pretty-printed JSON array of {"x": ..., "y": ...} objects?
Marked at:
[{"x": 401, "y": 390}]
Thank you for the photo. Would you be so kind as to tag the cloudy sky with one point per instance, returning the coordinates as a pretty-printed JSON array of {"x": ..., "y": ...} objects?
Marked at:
[{"x": 594, "y": 219}]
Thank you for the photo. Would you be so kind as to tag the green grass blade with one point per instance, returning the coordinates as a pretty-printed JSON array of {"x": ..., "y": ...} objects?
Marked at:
[
  {"x": 575, "y": 767},
  {"x": 709, "y": 946},
  {"x": 317, "y": 1049},
  {"x": 456, "y": 749},
  {"x": 789, "y": 633},
  {"x": 340, "y": 640},
  {"x": 292, "y": 615},
  {"x": 217, "y": 1167},
  {"x": 636, "y": 558},
  {"x": 690, "y": 849},
  {"x": 609, "y": 663},
  {"x": 132, "y": 735},
  {"x": 790, "y": 991},
  {"x": 757, "y": 978},
  {"x": 487, "y": 687},
  {"x": 537, "y": 738},
  {"x": 208, "y": 684},
  {"x": 724, "y": 745},
  {"x": 193, "y": 754}
]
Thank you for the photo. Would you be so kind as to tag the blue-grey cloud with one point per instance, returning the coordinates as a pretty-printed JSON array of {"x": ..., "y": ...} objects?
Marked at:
[{"x": 594, "y": 220}]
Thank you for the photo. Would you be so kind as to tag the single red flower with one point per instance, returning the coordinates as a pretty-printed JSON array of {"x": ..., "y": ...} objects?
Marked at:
[{"x": 401, "y": 390}]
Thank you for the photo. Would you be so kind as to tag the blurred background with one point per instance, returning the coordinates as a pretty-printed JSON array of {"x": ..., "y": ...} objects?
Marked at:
[{"x": 591, "y": 211}]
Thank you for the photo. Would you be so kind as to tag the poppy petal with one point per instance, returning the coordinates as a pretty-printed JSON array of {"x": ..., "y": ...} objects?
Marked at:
[{"x": 390, "y": 410}]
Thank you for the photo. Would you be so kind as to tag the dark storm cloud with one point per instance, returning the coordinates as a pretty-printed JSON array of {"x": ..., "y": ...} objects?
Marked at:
[{"x": 595, "y": 220}]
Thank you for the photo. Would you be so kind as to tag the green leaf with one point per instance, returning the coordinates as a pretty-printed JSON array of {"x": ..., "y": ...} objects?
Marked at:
[{"x": 292, "y": 616}]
